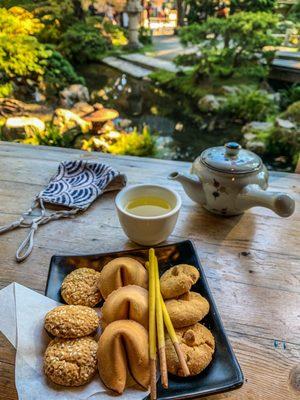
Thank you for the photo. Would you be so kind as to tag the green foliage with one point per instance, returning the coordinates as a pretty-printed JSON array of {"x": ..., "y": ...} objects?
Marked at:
[
  {"x": 145, "y": 35},
  {"x": 183, "y": 83},
  {"x": 59, "y": 73},
  {"x": 200, "y": 9},
  {"x": 82, "y": 43},
  {"x": 290, "y": 95},
  {"x": 294, "y": 13},
  {"x": 52, "y": 136},
  {"x": 134, "y": 144},
  {"x": 253, "y": 6},
  {"x": 6, "y": 89},
  {"x": 293, "y": 112},
  {"x": 284, "y": 142},
  {"x": 234, "y": 45},
  {"x": 114, "y": 34},
  {"x": 250, "y": 104},
  {"x": 21, "y": 55},
  {"x": 123, "y": 143}
]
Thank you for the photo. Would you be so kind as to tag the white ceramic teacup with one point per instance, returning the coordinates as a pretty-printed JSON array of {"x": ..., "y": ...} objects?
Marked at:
[{"x": 147, "y": 231}]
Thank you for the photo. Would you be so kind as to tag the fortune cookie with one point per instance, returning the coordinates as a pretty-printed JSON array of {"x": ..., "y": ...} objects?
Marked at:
[
  {"x": 127, "y": 302},
  {"x": 122, "y": 347},
  {"x": 120, "y": 272}
]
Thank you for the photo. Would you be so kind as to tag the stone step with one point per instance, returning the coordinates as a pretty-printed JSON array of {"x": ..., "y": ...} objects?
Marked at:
[
  {"x": 286, "y": 64},
  {"x": 151, "y": 62},
  {"x": 288, "y": 55},
  {"x": 127, "y": 67}
]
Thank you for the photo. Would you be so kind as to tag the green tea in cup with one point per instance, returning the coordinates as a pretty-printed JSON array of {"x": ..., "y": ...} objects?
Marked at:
[{"x": 148, "y": 206}]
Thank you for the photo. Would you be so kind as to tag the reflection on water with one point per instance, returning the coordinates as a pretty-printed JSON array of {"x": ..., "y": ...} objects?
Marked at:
[{"x": 171, "y": 117}]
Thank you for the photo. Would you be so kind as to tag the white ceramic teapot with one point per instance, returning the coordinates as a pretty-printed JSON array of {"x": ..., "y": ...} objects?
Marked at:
[{"x": 231, "y": 180}]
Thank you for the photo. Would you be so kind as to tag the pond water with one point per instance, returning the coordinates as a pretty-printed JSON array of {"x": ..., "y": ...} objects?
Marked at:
[{"x": 179, "y": 137}]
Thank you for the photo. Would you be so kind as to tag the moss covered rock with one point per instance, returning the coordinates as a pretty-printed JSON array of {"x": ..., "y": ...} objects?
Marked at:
[{"x": 293, "y": 112}]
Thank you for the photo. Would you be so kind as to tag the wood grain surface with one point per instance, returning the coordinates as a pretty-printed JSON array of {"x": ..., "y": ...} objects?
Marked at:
[{"x": 252, "y": 261}]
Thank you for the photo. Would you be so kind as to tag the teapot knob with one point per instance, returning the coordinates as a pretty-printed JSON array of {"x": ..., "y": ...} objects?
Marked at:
[{"x": 232, "y": 149}]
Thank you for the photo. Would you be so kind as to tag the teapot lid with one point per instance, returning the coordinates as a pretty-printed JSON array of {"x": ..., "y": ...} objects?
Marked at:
[{"x": 231, "y": 158}]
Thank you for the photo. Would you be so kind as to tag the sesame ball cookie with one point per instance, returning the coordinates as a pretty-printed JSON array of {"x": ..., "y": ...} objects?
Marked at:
[
  {"x": 187, "y": 309},
  {"x": 80, "y": 287},
  {"x": 71, "y": 321},
  {"x": 178, "y": 280},
  {"x": 198, "y": 346},
  {"x": 71, "y": 362}
]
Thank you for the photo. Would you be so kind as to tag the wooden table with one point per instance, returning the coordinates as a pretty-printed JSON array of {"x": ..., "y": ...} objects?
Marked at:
[{"x": 252, "y": 262}]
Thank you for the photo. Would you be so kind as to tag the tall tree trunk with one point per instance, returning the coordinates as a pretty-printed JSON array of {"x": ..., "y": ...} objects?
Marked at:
[
  {"x": 181, "y": 12},
  {"x": 78, "y": 10}
]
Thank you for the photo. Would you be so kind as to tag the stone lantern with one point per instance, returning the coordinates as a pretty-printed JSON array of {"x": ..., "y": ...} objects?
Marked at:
[{"x": 133, "y": 9}]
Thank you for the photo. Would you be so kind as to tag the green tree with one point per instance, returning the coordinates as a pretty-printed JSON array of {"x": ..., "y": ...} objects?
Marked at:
[
  {"x": 200, "y": 9},
  {"x": 253, "y": 6},
  {"x": 23, "y": 57},
  {"x": 234, "y": 45},
  {"x": 294, "y": 13},
  {"x": 21, "y": 54}
]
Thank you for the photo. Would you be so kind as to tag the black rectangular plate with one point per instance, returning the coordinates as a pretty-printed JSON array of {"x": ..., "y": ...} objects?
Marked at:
[{"x": 224, "y": 372}]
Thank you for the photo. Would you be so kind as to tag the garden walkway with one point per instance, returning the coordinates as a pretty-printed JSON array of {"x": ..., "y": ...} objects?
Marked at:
[{"x": 140, "y": 66}]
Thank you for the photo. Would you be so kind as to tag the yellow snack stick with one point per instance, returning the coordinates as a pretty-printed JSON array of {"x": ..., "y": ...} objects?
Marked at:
[
  {"x": 160, "y": 329},
  {"x": 152, "y": 323}
]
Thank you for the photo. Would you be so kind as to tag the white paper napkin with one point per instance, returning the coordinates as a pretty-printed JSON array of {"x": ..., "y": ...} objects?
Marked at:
[{"x": 22, "y": 313}]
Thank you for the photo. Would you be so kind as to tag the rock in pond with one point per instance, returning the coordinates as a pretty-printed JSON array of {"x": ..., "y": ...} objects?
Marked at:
[
  {"x": 82, "y": 108},
  {"x": 17, "y": 126},
  {"x": 66, "y": 120},
  {"x": 209, "y": 103},
  {"x": 284, "y": 123},
  {"x": 73, "y": 94},
  {"x": 228, "y": 90},
  {"x": 257, "y": 126},
  {"x": 257, "y": 146}
]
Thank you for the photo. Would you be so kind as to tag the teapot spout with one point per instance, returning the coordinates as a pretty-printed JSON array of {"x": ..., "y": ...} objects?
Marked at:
[
  {"x": 193, "y": 188},
  {"x": 252, "y": 196}
]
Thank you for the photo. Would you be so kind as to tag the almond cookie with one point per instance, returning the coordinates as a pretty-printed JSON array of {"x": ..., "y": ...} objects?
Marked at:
[
  {"x": 123, "y": 347},
  {"x": 80, "y": 287},
  {"x": 187, "y": 309},
  {"x": 120, "y": 272},
  {"x": 198, "y": 346},
  {"x": 71, "y": 321},
  {"x": 127, "y": 302},
  {"x": 71, "y": 362},
  {"x": 178, "y": 280}
]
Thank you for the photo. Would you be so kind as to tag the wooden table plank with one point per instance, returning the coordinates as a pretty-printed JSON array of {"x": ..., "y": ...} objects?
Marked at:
[{"x": 252, "y": 261}]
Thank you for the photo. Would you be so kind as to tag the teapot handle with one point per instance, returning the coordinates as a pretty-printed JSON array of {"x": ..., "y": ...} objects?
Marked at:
[{"x": 252, "y": 196}]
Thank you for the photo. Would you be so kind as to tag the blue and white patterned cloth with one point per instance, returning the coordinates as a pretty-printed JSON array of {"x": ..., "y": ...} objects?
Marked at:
[
  {"x": 78, "y": 183},
  {"x": 75, "y": 186}
]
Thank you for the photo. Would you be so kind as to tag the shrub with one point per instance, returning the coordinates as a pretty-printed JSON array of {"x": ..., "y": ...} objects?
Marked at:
[
  {"x": 22, "y": 56},
  {"x": 290, "y": 95},
  {"x": 293, "y": 112},
  {"x": 114, "y": 34},
  {"x": 284, "y": 142},
  {"x": 254, "y": 6},
  {"x": 124, "y": 143},
  {"x": 233, "y": 45},
  {"x": 294, "y": 13},
  {"x": 83, "y": 43},
  {"x": 52, "y": 136},
  {"x": 145, "y": 35},
  {"x": 6, "y": 89},
  {"x": 134, "y": 144},
  {"x": 250, "y": 105},
  {"x": 59, "y": 73}
]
